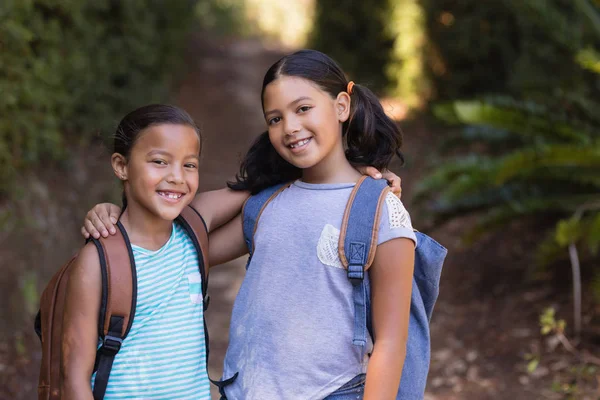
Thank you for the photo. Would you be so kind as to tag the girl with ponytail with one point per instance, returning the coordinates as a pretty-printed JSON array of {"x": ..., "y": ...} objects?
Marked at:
[
  {"x": 293, "y": 319},
  {"x": 371, "y": 137}
]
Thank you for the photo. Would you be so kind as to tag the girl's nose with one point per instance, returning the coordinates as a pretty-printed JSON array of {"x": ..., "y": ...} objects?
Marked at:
[
  {"x": 176, "y": 176},
  {"x": 291, "y": 126}
]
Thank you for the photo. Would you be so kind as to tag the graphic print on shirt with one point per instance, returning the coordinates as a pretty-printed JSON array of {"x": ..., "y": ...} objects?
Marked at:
[{"x": 195, "y": 286}]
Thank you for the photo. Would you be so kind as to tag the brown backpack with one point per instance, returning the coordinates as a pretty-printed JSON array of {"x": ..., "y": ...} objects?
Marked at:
[{"x": 117, "y": 307}]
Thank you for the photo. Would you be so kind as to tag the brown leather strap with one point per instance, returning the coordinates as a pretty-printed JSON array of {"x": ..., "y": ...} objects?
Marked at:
[
  {"x": 375, "y": 229},
  {"x": 193, "y": 217},
  {"x": 119, "y": 280}
]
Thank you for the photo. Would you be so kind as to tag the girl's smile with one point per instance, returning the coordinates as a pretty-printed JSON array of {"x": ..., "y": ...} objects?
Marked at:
[
  {"x": 297, "y": 146},
  {"x": 170, "y": 196}
]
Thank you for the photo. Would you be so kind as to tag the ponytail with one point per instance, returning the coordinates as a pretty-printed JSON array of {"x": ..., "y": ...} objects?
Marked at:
[
  {"x": 263, "y": 167},
  {"x": 372, "y": 138}
]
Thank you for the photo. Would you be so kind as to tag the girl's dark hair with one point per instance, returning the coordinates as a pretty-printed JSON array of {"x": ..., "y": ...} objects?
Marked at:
[
  {"x": 372, "y": 138},
  {"x": 144, "y": 117}
]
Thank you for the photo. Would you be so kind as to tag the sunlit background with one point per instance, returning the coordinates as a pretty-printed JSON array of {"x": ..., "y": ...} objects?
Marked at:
[{"x": 500, "y": 108}]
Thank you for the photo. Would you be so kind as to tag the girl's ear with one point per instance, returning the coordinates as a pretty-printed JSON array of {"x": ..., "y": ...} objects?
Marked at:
[
  {"x": 119, "y": 164},
  {"x": 342, "y": 104}
]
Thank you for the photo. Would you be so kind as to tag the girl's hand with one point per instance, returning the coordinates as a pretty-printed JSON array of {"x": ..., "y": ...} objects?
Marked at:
[
  {"x": 101, "y": 220},
  {"x": 394, "y": 180}
]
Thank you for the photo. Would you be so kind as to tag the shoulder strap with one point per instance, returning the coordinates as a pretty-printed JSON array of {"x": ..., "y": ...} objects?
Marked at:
[
  {"x": 360, "y": 226},
  {"x": 357, "y": 245},
  {"x": 253, "y": 208},
  {"x": 194, "y": 225},
  {"x": 117, "y": 307},
  {"x": 196, "y": 228}
]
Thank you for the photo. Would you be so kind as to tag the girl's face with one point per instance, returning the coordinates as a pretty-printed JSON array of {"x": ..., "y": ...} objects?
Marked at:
[
  {"x": 304, "y": 122},
  {"x": 161, "y": 175}
]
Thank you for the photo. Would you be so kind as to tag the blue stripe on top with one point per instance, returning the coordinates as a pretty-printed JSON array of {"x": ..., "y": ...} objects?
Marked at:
[{"x": 164, "y": 356}]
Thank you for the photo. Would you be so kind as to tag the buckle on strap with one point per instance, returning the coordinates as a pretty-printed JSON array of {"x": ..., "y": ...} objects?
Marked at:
[
  {"x": 111, "y": 345},
  {"x": 356, "y": 274}
]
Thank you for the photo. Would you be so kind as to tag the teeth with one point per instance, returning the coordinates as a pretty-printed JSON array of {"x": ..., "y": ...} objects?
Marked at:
[
  {"x": 300, "y": 143},
  {"x": 171, "y": 195}
]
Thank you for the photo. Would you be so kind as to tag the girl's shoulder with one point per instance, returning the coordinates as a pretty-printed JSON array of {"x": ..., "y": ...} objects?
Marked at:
[
  {"x": 85, "y": 273},
  {"x": 88, "y": 258}
]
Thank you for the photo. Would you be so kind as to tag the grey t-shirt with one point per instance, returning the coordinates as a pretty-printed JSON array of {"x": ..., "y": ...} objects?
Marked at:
[{"x": 292, "y": 323}]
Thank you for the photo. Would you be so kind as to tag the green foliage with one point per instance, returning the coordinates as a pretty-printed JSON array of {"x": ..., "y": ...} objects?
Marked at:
[
  {"x": 473, "y": 46},
  {"x": 352, "y": 33},
  {"x": 69, "y": 69},
  {"x": 405, "y": 69},
  {"x": 549, "y": 323},
  {"x": 509, "y": 46},
  {"x": 224, "y": 16},
  {"x": 538, "y": 156},
  {"x": 379, "y": 43}
]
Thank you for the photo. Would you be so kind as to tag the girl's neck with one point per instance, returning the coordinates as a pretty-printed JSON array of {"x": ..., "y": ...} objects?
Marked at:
[
  {"x": 333, "y": 169},
  {"x": 146, "y": 230}
]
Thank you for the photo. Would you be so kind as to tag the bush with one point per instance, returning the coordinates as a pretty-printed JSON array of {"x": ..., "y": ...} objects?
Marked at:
[
  {"x": 472, "y": 48},
  {"x": 353, "y": 33},
  {"x": 508, "y": 46},
  {"x": 539, "y": 156},
  {"x": 70, "y": 69}
]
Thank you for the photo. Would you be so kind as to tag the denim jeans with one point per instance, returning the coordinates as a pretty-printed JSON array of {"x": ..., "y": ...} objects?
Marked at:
[{"x": 353, "y": 390}]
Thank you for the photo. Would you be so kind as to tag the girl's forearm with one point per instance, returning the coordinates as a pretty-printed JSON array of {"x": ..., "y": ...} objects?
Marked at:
[
  {"x": 384, "y": 371},
  {"x": 219, "y": 206}
]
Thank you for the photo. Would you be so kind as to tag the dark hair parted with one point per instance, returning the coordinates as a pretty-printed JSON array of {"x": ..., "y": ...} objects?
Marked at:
[
  {"x": 144, "y": 117},
  {"x": 372, "y": 138}
]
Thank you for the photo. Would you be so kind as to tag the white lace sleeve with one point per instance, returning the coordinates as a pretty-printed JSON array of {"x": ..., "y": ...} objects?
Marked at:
[
  {"x": 397, "y": 214},
  {"x": 395, "y": 221}
]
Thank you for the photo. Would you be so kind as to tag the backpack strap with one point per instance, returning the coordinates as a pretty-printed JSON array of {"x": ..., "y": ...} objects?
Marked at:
[
  {"x": 194, "y": 225},
  {"x": 358, "y": 242},
  {"x": 253, "y": 209},
  {"x": 117, "y": 307}
]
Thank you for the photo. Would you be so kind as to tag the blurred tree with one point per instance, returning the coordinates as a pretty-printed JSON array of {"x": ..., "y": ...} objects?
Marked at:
[
  {"x": 472, "y": 46},
  {"x": 354, "y": 34},
  {"x": 70, "y": 69}
]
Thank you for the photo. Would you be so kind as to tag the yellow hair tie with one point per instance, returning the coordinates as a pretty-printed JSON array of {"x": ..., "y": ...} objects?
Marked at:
[{"x": 350, "y": 87}]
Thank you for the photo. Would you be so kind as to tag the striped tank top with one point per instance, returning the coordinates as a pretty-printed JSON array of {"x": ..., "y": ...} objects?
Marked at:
[{"x": 164, "y": 355}]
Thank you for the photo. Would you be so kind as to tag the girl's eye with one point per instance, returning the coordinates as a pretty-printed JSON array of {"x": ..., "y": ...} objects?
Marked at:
[
  {"x": 304, "y": 109},
  {"x": 191, "y": 166},
  {"x": 273, "y": 120},
  {"x": 159, "y": 162}
]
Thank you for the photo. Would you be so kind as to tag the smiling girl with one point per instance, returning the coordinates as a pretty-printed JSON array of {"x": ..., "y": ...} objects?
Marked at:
[{"x": 291, "y": 334}]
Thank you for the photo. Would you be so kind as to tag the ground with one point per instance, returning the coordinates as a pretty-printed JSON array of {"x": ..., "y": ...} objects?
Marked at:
[{"x": 486, "y": 319}]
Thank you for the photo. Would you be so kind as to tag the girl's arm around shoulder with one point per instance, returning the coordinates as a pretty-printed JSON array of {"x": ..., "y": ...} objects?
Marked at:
[
  {"x": 80, "y": 325},
  {"x": 391, "y": 278},
  {"x": 227, "y": 243},
  {"x": 217, "y": 207}
]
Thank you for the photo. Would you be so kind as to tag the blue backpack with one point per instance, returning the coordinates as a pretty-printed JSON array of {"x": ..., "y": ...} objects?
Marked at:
[{"x": 358, "y": 241}]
